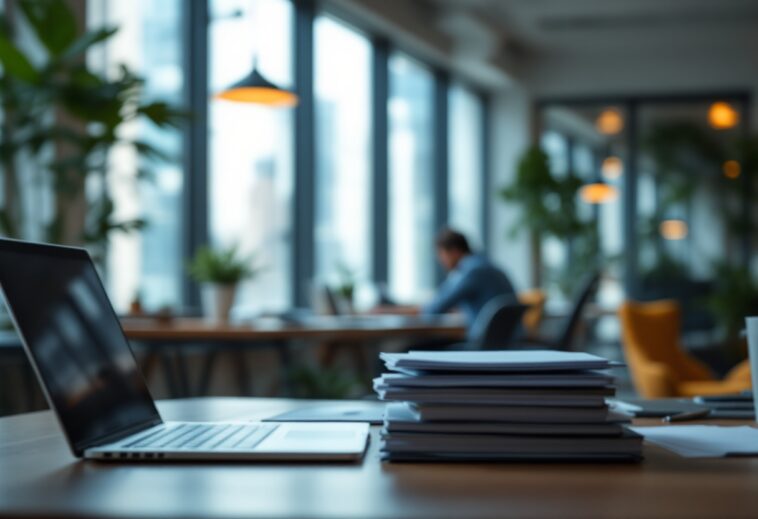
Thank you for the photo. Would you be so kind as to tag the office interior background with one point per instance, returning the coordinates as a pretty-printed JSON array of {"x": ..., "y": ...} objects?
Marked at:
[{"x": 412, "y": 115}]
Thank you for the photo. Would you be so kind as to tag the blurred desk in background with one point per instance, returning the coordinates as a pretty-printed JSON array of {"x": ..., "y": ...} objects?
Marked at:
[{"x": 167, "y": 342}]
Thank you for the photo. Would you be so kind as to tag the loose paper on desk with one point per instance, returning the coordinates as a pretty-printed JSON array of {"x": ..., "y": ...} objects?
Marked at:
[{"x": 703, "y": 441}]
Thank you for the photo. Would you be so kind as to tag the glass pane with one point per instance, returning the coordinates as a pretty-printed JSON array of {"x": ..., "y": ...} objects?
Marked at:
[
  {"x": 689, "y": 194},
  {"x": 150, "y": 262},
  {"x": 411, "y": 180},
  {"x": 343, "y": 151},
  {"x": 250, "y": 147},
  {"x": 465, "y": 177}
]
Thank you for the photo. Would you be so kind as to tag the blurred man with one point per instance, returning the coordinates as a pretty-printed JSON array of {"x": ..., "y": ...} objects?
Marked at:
[{"x": 472, "y": 280}]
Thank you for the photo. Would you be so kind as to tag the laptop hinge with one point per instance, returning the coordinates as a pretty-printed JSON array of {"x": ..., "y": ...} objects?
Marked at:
[{"x": 114, "y": 437}]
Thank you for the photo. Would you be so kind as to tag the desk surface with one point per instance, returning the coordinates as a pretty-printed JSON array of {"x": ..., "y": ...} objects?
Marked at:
[
  {"x": 323, "y": 328},
  {"x": 39, "y": 477}
]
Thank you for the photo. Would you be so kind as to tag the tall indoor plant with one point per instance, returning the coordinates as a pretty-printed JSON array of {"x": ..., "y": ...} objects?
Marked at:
[
  {"x": 61, "y": 117},
  {"x": 548, "y": 205}
]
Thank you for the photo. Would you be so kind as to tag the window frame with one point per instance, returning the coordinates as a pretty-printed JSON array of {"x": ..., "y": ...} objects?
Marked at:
[{"x": 195, "y": 140}]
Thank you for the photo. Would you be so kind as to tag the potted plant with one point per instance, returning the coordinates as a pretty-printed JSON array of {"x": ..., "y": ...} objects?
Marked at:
[
  {"x": 345, "y": 288},
  {"x": 219, "y": 272}
]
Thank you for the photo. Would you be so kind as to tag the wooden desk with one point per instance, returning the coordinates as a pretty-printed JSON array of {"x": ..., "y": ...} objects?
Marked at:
[
  {"x": 366, "y": 328},
  {"x": 168, "y": 341},
  {"x": 39, "y": 477}
]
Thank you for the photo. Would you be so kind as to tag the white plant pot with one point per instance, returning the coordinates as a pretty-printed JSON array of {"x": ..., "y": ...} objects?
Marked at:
[{"x": 217, "y": 301}]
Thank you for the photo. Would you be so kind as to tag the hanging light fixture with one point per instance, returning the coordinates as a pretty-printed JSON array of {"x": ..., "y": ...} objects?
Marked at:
[
  {"x": 722, "y": 116},
  {"x": 598, "y": 192},
  {"x": 673, "y": 229},
  {"x": 612, "y": 168},
  {"x": 255, "y": 88},
  {"x": 609, "y": 122},
  {"x": 731, "y": 169}
]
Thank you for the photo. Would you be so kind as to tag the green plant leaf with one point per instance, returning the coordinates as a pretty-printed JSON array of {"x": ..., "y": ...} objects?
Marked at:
[
  {"x": 15, "y": 62},
  {"x": 87, "y": 40},
  {"x": 53, "y": 22},
  {"x": 7, "y": 226},
  {"x": 151, "y": 152},
  {"x": 223, "y": 266},
  {"x": 162, "y": 114}
]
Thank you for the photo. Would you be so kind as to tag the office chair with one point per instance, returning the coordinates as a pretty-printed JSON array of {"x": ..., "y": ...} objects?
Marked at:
[
  {"x": 496, "y": 324},
  {"x": 564, "y": 340}
]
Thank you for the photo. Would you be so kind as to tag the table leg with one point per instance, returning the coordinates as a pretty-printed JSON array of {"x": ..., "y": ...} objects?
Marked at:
[
  {"x": 243, "y": 374},
  {"x": 285, "y": 359},
  {"x": 205, "y": 376},
  {"x": 182, "y": 373},
  {"x": 168, "y": 373}
]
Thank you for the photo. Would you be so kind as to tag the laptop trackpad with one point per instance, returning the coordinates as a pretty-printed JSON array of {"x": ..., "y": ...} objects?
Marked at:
[{"x": 317, "y": 437}]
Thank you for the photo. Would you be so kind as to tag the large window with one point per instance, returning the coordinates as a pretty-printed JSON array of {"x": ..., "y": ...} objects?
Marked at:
[
  {"x": 148, "y": 263},
  {"x": 250, "y": 174},
  {"x": 466, "y": 165},
  {"x": 250, "y": 147},
  {"x": 343, "y": 154},
  {"x": 411, "y": 180}
]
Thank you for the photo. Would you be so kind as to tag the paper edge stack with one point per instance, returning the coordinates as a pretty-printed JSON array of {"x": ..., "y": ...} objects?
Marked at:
[{"x": 411, "y": 432}]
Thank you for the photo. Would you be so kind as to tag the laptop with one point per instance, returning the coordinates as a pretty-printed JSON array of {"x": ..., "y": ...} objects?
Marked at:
[{"x": 91, "y": 380}]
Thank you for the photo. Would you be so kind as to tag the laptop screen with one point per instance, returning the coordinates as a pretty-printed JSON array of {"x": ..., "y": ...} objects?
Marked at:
[{"x": 75, "y": 340}]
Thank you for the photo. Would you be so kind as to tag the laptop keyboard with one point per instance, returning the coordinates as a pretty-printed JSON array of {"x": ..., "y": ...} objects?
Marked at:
[{"x": 187, "y": 436}]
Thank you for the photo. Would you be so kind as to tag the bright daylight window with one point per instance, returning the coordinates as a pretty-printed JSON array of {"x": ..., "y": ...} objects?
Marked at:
[
  {"x": 411, "y": 180},
  {"x": 149, "y": 262},
  {"x": 343, "y": 152},
  {"x": 250, "y": 147},
  {"x": 465, "y": 162}
]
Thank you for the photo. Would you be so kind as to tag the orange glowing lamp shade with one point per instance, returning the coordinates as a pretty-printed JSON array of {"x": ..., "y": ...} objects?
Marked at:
[
  {"x": 254, "y": 88},
  {"x": 612, "y": 168},
  {"x": 609, "y": 122},
  {"x": 722, "y": 116},
  {"x": 673, "y": 229},
  {"x": 598, "y": 193},
  {"x": 731, "y": 169}
]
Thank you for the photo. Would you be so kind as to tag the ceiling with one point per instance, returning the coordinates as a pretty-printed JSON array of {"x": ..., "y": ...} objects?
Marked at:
[{"x": 622, "y": 28}]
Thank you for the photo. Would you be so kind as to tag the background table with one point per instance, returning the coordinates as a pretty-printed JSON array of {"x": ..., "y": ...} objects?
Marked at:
[
  {"x": 39, "y": 476},
  {"x": 168, "y": 342}
]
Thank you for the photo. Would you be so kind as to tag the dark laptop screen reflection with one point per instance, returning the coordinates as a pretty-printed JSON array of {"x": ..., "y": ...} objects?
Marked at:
[{"x": 77, "y": 343}]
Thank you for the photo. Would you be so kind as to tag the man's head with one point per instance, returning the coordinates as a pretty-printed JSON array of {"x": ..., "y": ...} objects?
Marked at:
[{"x": 452, "y": 247}]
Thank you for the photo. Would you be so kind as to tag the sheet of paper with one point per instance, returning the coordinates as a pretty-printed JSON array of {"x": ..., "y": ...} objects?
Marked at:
[
  {"x": 534, "y": 360},
  {"x": 703, "y": 441}
]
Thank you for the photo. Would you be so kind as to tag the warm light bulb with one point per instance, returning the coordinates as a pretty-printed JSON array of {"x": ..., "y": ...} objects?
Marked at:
[
  {"x": 609, "y": 122},
  {"x": 612, "y": 168},
  {"x": 598, "y": 193},
  {"x": 259, "y": 95},
  {"x": 673, "y": 229},
  {"x": 722, "y": 116},
  {"x": 731, "y": 169}
]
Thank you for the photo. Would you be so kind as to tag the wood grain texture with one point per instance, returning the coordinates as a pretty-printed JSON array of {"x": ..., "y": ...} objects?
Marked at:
[
  {"x": 39, "y": 477},
  {"x": 190, "y": 329}
]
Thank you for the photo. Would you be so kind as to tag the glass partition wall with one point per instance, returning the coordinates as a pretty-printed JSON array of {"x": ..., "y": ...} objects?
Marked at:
[{"x": 679, "y": 223}]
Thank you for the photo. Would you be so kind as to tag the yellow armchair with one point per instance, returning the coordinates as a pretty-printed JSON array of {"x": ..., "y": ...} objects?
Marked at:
[
  {"x": 535, "y": 301},
  {"x": 659, "y": 366}
]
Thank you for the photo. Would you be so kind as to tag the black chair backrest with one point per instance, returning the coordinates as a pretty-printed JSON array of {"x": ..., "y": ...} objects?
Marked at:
[
  {"x": 496, "y": 323},
  {"x": 586, "y": 292}
]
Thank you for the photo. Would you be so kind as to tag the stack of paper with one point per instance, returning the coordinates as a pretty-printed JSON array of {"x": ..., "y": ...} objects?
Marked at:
[{"x": 501, "y": 405}]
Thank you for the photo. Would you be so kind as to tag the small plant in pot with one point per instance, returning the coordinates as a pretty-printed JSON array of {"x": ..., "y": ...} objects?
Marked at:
[{"x": 219, "y": 272}]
